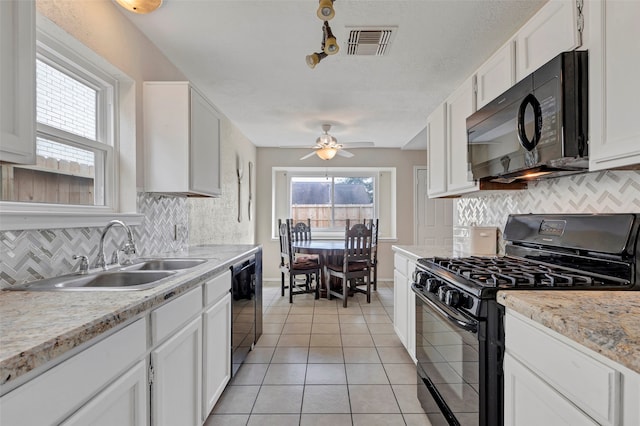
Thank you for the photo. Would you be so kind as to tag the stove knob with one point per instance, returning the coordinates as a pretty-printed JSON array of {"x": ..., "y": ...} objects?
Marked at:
[
  {"x": 420, "y": 278},
  {"x": 452, "y": 297},
  {"x": 442, "y": 291},
  {"x": 432, "y": 285}
]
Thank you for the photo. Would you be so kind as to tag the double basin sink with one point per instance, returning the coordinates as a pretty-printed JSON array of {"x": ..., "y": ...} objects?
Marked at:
[{"x": 144, "y": 274}]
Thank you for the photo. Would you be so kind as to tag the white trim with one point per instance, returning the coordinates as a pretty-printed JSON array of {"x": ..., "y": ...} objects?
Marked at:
[
  {"x": 19, "y": 216},
  {"x": 391, "y": 234}
]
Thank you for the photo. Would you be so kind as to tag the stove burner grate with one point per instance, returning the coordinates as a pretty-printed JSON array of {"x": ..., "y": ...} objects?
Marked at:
[{"x": 509, "y": 272}]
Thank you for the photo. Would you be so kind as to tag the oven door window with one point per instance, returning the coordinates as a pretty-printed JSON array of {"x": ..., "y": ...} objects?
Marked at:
[{"x": 449, "y": 357}]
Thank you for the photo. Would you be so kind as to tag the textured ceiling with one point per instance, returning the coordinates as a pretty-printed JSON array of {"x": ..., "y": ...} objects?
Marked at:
[{"x": 248, "y": 57}]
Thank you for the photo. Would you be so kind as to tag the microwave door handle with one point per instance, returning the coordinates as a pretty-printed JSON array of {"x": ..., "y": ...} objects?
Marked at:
[{"x": 527, "y": 144}]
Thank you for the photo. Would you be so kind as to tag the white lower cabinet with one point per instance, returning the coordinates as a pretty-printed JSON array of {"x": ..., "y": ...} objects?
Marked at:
[
  {"x": 85, "y": 384},
  {"x": 530, "y": 401},
  {"x": 176, "y": 361},
  {"x": 404, "y": 309},
  {"x": 123, "y": 403},
  {"x": 216, "y": 344},
  {"x": 177, "y": 378},
  {"x": 552, "y": 380}
]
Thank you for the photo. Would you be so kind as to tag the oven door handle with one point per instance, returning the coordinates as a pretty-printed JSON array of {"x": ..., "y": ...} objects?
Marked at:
[{"x": 469, "y": 326}]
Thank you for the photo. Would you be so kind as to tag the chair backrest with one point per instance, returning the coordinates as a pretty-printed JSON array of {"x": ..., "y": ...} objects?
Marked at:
[
  {"x": 286, "y": 254},
  {"x": 357, "y": 243},
  {"x": 300, "y": 231}
]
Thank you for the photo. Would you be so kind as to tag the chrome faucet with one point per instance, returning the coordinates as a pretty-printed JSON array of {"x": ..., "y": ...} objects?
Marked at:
[
  {"x": 83, "y": 265},
  {"x": 128, "y": 248}
]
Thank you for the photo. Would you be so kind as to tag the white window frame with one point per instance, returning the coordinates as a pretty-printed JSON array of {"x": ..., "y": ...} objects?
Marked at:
[
  {"x": 281, "y": 194},
  {"x": 117, "y": 111}
]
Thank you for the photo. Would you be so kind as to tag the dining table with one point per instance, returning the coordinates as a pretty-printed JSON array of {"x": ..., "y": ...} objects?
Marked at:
[{"x": 324, "y": 249}]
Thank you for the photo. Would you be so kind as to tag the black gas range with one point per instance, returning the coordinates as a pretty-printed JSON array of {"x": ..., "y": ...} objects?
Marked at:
[{"x": 459, "y": 328}]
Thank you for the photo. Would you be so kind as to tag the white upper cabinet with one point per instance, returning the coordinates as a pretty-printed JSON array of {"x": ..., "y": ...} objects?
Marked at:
[
  {"x": 437, "y": 152},
  {"x": 614, "y": 87},
  {"x": 496, "y": 75},
  {"x": 182, "y": 140},
  {"x": 17, "y": 81},
  {"x": 554, "y": 29},
  {"x": 460, "y": 105}
]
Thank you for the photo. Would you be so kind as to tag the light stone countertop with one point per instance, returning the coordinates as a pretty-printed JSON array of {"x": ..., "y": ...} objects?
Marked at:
[
  {"x": 417, "y": 252},
  {"x": 39, "y": 326},
  {"x": 607, "y": 322}
]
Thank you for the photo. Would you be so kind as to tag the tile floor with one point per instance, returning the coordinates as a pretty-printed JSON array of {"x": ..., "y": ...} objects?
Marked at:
[{"x": 318, "y": 363}]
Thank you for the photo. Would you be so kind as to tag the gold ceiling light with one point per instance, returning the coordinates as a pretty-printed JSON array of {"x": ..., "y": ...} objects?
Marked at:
[
  {"x": 140, "y": 6},
  {"x": 329, "y": 46},
  {"x": 325, "y": 10}
]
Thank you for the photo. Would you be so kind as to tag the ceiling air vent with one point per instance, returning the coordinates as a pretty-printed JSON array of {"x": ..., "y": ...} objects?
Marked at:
[{"x": 369, "y": 41}]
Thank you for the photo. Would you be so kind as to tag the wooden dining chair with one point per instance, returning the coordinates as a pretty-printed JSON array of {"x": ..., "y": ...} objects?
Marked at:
[
  {"x": 301, "y": 231},
  {"x": 355, "y": 269},
  {"x": 301, "y": 273}
]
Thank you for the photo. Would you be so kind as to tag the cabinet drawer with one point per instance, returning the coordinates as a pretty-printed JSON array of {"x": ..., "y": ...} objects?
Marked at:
[
  {"x": 400, "y": 264},
  {"x": 217, "y": 287},
  {"x": 170, "y": 317},
  {"x": 591, "y": 385},
  {"x": 50, "y": 397}
]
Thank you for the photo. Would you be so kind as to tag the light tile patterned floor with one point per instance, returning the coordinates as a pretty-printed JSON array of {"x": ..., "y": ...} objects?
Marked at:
[{"x": 318, "y": 363}]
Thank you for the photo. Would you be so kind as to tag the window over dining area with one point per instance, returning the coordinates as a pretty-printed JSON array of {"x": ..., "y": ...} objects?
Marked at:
[{"x": 330, "y": 196}]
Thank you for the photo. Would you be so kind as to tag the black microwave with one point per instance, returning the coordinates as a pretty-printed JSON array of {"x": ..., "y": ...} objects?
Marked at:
[{"x": 536, "y": 129}]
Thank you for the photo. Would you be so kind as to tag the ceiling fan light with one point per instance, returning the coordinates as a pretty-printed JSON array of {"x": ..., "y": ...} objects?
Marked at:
[
  {"x": 326, "y": 153},
  {"x": 331, "y": 46},
  {"x": 325, "y": 10},
  {"x": 140, "y": 6}
]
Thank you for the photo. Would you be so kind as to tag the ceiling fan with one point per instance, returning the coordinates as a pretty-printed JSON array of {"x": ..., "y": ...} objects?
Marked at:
[{"x": 327, "y": 146}]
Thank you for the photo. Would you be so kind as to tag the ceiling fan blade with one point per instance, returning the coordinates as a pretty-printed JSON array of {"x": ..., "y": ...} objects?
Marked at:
[
  {"x": 311, "y": 154},
  {"x": 343, "y": 153},
  {"x": 358, "y": 145}
]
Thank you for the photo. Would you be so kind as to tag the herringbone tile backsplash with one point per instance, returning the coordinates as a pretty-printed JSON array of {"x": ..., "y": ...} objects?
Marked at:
[
  {"x": 598, "y": 192},
  {"x": 35, "y": 254}
]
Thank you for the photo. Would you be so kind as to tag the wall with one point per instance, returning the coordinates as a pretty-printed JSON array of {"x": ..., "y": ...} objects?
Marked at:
[
  {"x": 215, "y": 220},
  {"x": 597, "y": 192},
  {"x": 404, "y": 161},
  {"x": 29, "y": 255}
]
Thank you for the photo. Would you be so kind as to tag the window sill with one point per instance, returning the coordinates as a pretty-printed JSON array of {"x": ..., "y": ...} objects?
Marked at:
[{"x": 26, "y": 220}]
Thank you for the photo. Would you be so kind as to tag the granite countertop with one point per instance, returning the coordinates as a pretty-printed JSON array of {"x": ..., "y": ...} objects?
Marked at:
[
  {"x": 417, "y": 252},
  {"x": 38, "y": 326},
  {"x": 607, "y": 322}
]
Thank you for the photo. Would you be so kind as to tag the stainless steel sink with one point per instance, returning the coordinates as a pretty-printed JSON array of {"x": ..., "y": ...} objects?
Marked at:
[
  {"x": 164, "y": 264},
  {"x": 99, "y": 281}
]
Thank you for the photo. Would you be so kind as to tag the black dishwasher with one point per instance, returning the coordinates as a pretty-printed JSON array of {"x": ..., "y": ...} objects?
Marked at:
[{"x": 246, "y": 308}]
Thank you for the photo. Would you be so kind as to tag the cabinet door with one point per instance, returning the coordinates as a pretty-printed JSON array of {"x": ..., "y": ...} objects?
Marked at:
[
  {"x": 177, "y": 384},
  {"x": 123, "y": 403},
  {"x": 436, "y": 152},
  {"x": 554, "y": 29},
  {"x": 496, "y": 75},
  {"x": 17, "y": 81},
  {"x": 529, "y": 401},
  {"x": 614, "y": 87},
  {"x": 205, "y": 147},
  {"x": 217, "y": 352},
  {"x": 400, "y": 306},
  {"x": 460, "y": 105}
]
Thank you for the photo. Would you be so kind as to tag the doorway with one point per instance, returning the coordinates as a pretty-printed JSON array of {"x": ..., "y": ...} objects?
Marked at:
[{"x": 433, "y": 216}]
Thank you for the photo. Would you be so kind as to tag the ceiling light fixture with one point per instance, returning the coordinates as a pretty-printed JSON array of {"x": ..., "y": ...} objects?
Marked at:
[
  {"x": 326, "y": 153},
  {"x": 325, "y": 10},
  {"x": 330, "y": 44},
  {"x": 140, "y": 6}
]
